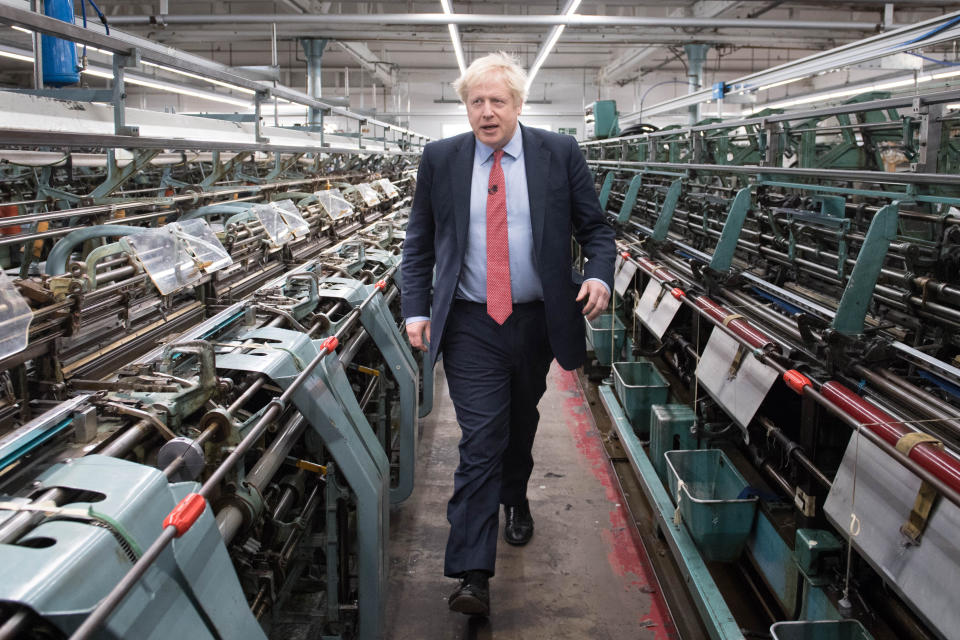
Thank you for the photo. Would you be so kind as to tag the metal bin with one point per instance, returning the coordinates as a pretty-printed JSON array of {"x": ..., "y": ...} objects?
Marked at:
[
  {"x": 639, "y": 385},
  {"x": 706, "y": 486}
]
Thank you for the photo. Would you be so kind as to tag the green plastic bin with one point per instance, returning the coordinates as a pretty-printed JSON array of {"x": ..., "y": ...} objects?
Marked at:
[
  {"x": 820, "y": 630},
  {"x": 705, "y": 486},
  {"x": 639, "y": 386},
  {"x": 599, "y": 335}
]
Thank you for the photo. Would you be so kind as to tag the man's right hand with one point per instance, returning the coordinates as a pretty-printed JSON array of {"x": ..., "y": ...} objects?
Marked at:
[{"x": 419, "y": 334}]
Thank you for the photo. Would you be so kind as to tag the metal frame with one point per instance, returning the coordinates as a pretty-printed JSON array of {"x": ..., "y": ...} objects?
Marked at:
[
  {"x": 120, "y": 43},
  {"x": 884, "y": 44}
]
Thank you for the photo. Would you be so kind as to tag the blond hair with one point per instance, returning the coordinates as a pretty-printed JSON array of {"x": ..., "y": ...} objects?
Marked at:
[{"x": 501, "y": 63}]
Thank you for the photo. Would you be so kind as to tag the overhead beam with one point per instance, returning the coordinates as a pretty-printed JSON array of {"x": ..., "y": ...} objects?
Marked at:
[
  {"x": 942, "y": 29},
  {"x": 383, "y": 72},
  {"x": 484, "y": 20},
  {"x": 196, "y": 35},
  {"x": 627, "y": 63}
]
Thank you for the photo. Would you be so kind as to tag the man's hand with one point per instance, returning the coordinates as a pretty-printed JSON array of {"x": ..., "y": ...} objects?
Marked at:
[
  {"x": 596, "y": 295},
  {"x": 419, "y": 334}
]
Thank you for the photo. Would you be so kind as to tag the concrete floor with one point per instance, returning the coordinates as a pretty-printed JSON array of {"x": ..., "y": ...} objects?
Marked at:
[{"x": 582, "y": 576}]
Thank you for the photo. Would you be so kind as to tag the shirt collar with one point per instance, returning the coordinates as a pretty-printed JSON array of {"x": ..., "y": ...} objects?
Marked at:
[{"x": 514, "y": 148}]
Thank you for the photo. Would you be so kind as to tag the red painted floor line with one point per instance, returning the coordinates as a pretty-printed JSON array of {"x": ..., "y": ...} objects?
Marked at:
[{"x": 627, "y": 557}]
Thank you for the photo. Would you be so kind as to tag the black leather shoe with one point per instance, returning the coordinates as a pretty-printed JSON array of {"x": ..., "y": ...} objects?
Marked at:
[
  {"x": 519, "y": 524},
  {"x": 472, "y": 597}
]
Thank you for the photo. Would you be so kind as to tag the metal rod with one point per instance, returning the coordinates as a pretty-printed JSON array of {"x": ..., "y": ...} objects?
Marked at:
[
  {"x": 275, "y": 408},
  {"x": 476, "y": 19}
]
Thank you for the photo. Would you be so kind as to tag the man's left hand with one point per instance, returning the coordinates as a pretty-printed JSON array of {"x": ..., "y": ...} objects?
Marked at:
[{"x": 597, "y": 297}]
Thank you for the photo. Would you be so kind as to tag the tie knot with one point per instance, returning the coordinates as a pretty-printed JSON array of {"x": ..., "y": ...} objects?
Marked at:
[{"x": 497, "y": 155}]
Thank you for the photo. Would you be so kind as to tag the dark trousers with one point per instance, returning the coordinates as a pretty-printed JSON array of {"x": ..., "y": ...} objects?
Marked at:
[{"x": 496, "y": 375}]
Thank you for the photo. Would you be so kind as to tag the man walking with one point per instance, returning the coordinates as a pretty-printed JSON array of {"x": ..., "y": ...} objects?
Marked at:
[{"x": 493, "y": 215}]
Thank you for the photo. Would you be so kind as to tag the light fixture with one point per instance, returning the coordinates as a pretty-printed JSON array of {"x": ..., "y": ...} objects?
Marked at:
[
  {"x": 551, "y": 42},
  {"x": 455, "y": 37},
  {"x": 844, "y": 93},
  {"x": 16, "y": 56},
  {"x": 781, "y": 83},
  {"x": 166, "y": 86}
]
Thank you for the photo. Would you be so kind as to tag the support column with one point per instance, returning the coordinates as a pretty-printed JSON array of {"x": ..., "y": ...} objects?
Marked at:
[
  {"x": 696, "y": 57},
  {"x": 313, "y": 50}
]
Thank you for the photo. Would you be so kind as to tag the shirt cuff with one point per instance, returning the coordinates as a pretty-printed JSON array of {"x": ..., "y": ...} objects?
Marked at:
[
  {"x": 605, "y": 286},
  {"x": 407, "y": 321}
]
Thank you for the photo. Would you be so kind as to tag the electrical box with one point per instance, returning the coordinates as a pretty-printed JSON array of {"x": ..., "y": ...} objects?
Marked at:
[{"x": 601, "y": 119}]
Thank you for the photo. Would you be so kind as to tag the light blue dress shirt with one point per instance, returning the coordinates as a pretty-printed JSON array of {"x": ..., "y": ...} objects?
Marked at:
[{"x": 525, "y": 285}]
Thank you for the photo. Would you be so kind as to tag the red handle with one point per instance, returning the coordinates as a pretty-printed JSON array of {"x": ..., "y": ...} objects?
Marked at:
[
  {"x": 330, "y": 344},
  {"x": 186, "y": 513},
  {"x": 678, "y": 293},
  {"x": 382, "y": 285}
]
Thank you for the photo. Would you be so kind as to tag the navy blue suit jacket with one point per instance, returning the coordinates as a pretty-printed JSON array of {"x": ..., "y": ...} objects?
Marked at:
[{"x": 563, "y": 203}]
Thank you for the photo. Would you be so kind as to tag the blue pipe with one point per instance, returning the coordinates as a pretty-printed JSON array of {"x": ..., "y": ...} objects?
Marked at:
[{"x": 57, "y": 260}]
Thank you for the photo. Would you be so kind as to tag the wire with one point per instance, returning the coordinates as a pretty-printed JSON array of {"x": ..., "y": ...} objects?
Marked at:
[
  {"x": 100, "y": 15},
  {"x": 929, "y": 59},
  {"x": 932, "y": 32}
]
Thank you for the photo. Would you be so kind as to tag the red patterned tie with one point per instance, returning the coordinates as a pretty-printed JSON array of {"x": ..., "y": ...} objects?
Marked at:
[{"x": 499, "y": 296}]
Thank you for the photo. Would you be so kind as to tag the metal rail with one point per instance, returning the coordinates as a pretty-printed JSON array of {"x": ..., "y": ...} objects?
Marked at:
[
  {"x": 884, "y": 44},
  {"x": 171, "y": 531},
  {"x": 123, "y": 44}
]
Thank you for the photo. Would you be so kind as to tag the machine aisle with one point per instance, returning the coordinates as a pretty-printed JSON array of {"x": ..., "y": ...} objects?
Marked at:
[{"x": 582, "y": 576}]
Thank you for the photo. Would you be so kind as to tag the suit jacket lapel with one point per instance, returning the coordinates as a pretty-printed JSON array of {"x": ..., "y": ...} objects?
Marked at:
[
  {"x": 536, "y": 161},
  {"x": 461, "y": 177}
]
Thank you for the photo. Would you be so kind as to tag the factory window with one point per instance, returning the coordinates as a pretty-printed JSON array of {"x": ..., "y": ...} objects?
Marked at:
[{"x": 455, "y": 128}]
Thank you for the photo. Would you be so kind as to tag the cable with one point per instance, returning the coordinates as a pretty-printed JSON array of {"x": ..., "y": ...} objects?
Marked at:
[
  {"x": 929, "y": 59},
  {"x": 934, "y": 31},
  {"x": 100, "y": 15}
]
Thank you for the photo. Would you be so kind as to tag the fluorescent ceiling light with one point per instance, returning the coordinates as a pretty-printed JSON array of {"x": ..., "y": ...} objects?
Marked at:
[
  {"x": 166, "y": 86},
  {"x": 781, "y": 83},
  {"x": 455, "y": 37},
  {"x": 16, "y": 56},
  {"x": 843, "y": 93},
  {"x": 551, "y": 42},
  {"x": 232, "y": 87}
]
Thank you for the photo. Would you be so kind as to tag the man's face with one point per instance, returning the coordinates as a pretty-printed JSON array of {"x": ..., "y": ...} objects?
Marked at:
[{"x": 492, "y": 111}]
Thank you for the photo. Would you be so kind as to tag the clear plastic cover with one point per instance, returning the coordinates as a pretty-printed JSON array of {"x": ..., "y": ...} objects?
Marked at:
[
  {"x": 282, "y": 221},
  {"x": 368, "y": 193},
  {"x": 273, "y": 223},
  {"x": 334, "y": 204},
  {"x": 202, "y": 241},
  {"x": 177, "y": 255},
  {"x": 299, "y": 227},
  {"x": 15, "y": 318},
  {"x": 386, "y": 187}
]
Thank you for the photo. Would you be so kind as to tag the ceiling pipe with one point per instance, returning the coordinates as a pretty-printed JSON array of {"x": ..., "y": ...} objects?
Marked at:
[{"x": 479, "y": 20}]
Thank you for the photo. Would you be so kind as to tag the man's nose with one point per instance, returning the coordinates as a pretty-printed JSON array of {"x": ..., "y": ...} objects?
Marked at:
[{"x": 486, "y": 111}]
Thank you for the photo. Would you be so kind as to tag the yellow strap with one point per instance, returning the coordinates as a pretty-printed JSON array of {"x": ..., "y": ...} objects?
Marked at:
[
  {"x": 917, "y": 520},
  {"x": 313, "y": 467},
  {"x": 906, "y": 444},
  {"x": 730, "y": 318}
]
